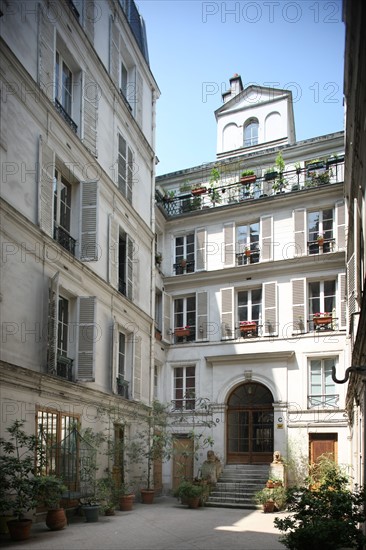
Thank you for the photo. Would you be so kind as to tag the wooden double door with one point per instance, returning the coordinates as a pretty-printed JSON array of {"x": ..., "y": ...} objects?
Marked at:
[{"x": 250, "y": 425}]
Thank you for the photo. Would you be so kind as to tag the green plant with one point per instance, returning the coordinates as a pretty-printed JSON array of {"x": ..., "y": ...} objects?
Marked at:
[
  {"x": 169, "y": 195},
  {"x": 49, "y": 491},
  {"x": 18, "y": 471},
  {"x": 247, "y": 173},
  {"x": 188, "y": 489},
  {"x": 326, "y": 518},
  {"x": 186, "y": 186},
  {"x": 263, "y": 496},
  {"x": 214, "y": 193},
  {"x": 107, "y": 492}
]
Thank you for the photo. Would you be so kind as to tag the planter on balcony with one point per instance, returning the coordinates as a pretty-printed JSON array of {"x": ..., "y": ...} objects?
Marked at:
[
  {"x": 270, "y": 175},
  {"x": 199, "y": 191},
  {"x": 323, "y": 320},
  {"x": 180, "y": 332},
  {"x": 247, "y": 180},
  {"x": 248, "y": 326}
]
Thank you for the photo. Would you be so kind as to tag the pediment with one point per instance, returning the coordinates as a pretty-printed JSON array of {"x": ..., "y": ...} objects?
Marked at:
[{"x": 251, "y": 97}]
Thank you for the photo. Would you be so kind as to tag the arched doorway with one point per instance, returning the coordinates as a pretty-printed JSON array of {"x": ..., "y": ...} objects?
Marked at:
[{"x": 250, "y": 424}]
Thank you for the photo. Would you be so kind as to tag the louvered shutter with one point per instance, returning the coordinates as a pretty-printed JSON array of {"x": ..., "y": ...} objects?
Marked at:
[
  {"x": 341, "y": 225},
  {"x": 298, "y": 305},
  {"x": 86, "y": 338},
  {"x": 270, "y": 308},
  {"x": 46, "y": 54},
  {"x": 139, "y": 98},
  {"x": 299, "y": 231},
  {"x": 166, "y": 317},
  {"x": 46, "y": 179},
  {"x": 114, "y": 51},
  {"x": 113, "y": 251},
  {"x": 89, "y": 18},
  {"x": 52, "y": 324},
  {"x": 266, "y": 238},
  {"x": 88, "y": 236},
  {"x": 342, "y": 300},
  {"x": 130, "y": 168},
  {"x": 90, "y": 105},
  {"x": 229, "y": 247},
  {"x": 114, "y": 355},
  {"x": 200, "y": 249},
  {"x": 137, "y": 367},
  {"x": 129, "y": 267},
  {"x": 227, "y": 313},
  {"x": 351, "y": 285},
  {"x": 202, "y": 315}
]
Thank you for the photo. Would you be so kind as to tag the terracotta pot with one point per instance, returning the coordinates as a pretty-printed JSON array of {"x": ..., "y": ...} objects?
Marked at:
[
  {"x": 110, "y": 512},
  {"x": 147, "y": 496},
  {"x": 19, "y": 529},
  {"x": 193, "y": 502},
  {"x": 246, "y": 180},
  {"x": 322, "y": 320},
  {"x": 126, "y": 502},
  {"x": 199, "y": 191},
  {"x": 56, "y": 519},
  {"x": 268, "y": 507},
  {"x": 182, "y": 332}
]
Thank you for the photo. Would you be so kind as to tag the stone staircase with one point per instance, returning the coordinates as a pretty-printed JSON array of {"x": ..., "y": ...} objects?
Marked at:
[{"x": 237, "y": 485}]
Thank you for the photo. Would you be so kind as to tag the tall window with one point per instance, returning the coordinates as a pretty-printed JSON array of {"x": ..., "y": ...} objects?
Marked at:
[
  {"x": 184, "y": 254},
  {"x": 185, "y": 316},
  {"x": 125, "y": 265},
  {"x": 322, "y": 297},
  {"x": 125, "y": 168},
  {"x": 322, "y": 387},
  {"x": 123, "y": 378},
  {"x": 64, "y": 83},
  {"x": 250, "y": 309},
  {"x": 320, "y": 225},
  {"x": 251, "y": 132},
  {"x": 63, "y": 326},
  {"x": 247, "y": 239},
  {"x": 62, "y": 192},
  {"x": 184, "y": 388}
]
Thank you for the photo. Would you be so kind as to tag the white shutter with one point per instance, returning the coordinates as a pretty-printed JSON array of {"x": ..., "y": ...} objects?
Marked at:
[
  {"x": 166, "y": 325},
  {"x": 270, "y": 308},
  {"x": 46, "y": 54},
  {"x": 200, "y": 249},
  {"x": 89, "y": 18},
  {"x": 299, "y": 231},
  {"x": 53, "y": 324},
  {"x": 351, "y": 285},
  {"x": 130, "y": 168},
  {"x": 86, "y": 338},
  {"x": 90, "y": 103},
  {"x": 229, "y": 245},
  {"x": 46, "y": 178},
  {"x": 129, "y": 267},
  {"x": 266, "y": 238},
  {"x": 202, "y": 315},
  {"x": 227, "y": 313},
  {"x": 114, "y": 51},
  {"x": 342, "y": 300},
  {"x": 341, "y": 225},
  {"x": 298, "y": 305},
  {"x": 88, "y": 235},
  {"x": 114, "y": 355},
  {"x": 137, "y": 367},
  {"x": 139, "y": 98},
  {"x": 113, "y": 251}
]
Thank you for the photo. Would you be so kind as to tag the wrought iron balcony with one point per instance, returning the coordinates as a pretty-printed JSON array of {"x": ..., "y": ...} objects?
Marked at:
[
  {"x": 64, "y": 367},
  {"x": 122, "y": 287},
  {"x": 323, "y": 323},
  {"x": 64, "y": 239},
  {"x": 122, "y": 387},
  {"x": 230, "y": 190},
  {"x": 183, "y": 267},
  {"x": 127, "y": 103},
  {"x": 66, "y": 116},
  {"x": 323, "y": 401},
  {"x": 316, "y": 247},
  {"x": 246, "y": 258}
]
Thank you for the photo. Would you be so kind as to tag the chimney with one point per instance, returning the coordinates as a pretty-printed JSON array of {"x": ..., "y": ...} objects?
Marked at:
[{"x": 236, "y": 86}]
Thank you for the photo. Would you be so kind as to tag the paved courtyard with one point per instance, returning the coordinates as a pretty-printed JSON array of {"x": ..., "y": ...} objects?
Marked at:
[{"x": 164, "y": 525}]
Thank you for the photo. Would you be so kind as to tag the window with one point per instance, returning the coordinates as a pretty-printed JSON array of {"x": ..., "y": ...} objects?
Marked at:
[
  {"x": 247, "y": 242},
  {"x": 251, "y": 132},
  {"x": 125, "y": 168},
  {"x": 57, "y": 440},
  {"x": 62, "y": 192},
  {"x": 125, "y": 265},
  {"x": 184, "y": 254},
  {"x": 322, "y": 388},
  {"x": 184, "y": 388},
  {"x": 322, "y": 300},
  {"x": 156, "y": 381},
  {"x": 122, "y": 378},
  {"x": 126, "y": 87},
  {"x": 320, "y": 231},
  {"x": 67, "y": 81},
  {"x": 185, "y": 318},
  {"x": 249, "y": 309}
]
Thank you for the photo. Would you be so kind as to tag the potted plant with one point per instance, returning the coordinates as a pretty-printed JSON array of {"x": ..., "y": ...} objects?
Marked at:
[
  {"x": 270, "y": 173},
  {"x": 199, "y": 190},
  {"x": 18, "y": 480},
  {"x": 108, "y": 494},
  {"x": 298, "y": 168},
  {"x": 126, "y": 498},
  {"x": 49, "y": 493},
  {"x": 182, "y": 331},
  {"x": 247, "y": 327},
  {"x": 90, "y": 503},
  {"x": 322, "y": 318},
  {"x": 190, "y": 493},
  {"x": 265, "y": 497},
  {"x": 247, "y": 177},
  {"x": 158, "y": 258},
  {"x": 214, "y": 179},
  {"x": 169, "y": 196},
  {"x": 320, "y": 239}
]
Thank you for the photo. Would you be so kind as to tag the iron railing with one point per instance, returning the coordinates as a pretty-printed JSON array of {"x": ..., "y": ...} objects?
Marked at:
[
  {"x": 64, "y": 239},
  {"x": 66, "y": 116}
]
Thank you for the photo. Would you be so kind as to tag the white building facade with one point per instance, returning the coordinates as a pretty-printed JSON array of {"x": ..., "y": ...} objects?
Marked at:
[{"x": 263, "y": 263}]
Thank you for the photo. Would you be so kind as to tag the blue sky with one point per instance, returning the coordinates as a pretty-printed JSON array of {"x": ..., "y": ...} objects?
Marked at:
[{"x": 196, "y": 46}]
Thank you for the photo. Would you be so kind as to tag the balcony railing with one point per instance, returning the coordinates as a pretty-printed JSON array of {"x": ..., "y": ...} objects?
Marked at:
[
  {"x": 122, "y": 387},
  {"x": 328, "y": 245},
  {"x": 324, "y": 323},
  {"x": 182, "y": 335},
  {"x": 230, "y": 190},
  {"x": 185, "y": 267},
  {"x": 323, "y": 401},
  {"x": 66, "y": 116},
  {"x": 243, "y": 258},
  {"x": 64, "y": 367},
  {"x": 64, "y": 239},
  {"x": 122, "y": 287}
]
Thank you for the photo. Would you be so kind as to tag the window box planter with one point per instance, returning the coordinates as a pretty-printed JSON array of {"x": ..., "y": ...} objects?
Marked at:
[
  {"x": 247, "y": 180},
  {"x": 199, "y": 191},
  {"x": 180, "y": 332},
  {"x": 270, "y": 175},
  {"x": 335, "y": 160},
  {"x": 322, "y": 320},
  {"x": 315, "y": 166},
  {"x": 248, "y": 326}
]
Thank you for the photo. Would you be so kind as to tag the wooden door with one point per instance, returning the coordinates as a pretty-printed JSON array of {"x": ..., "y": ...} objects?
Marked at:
[
  {"x": 322, "y": 444},
  {"x": 182, "y": 459}
]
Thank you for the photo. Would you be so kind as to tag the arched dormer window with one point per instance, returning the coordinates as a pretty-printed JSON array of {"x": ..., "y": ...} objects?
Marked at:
[{"x": 251, "y": 132}]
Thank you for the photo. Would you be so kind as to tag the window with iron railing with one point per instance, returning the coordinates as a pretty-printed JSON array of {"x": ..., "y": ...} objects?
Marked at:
[{"x": 321, "y": 385}]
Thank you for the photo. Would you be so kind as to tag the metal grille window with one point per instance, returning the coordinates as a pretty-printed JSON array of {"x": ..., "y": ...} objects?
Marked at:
[
  {"x": 322, "y": 387},
  {"x": 184, "y": 388}
]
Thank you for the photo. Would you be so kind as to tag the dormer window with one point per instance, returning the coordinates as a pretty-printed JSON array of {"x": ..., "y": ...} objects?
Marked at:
[{"x": 251, "y": 132}]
